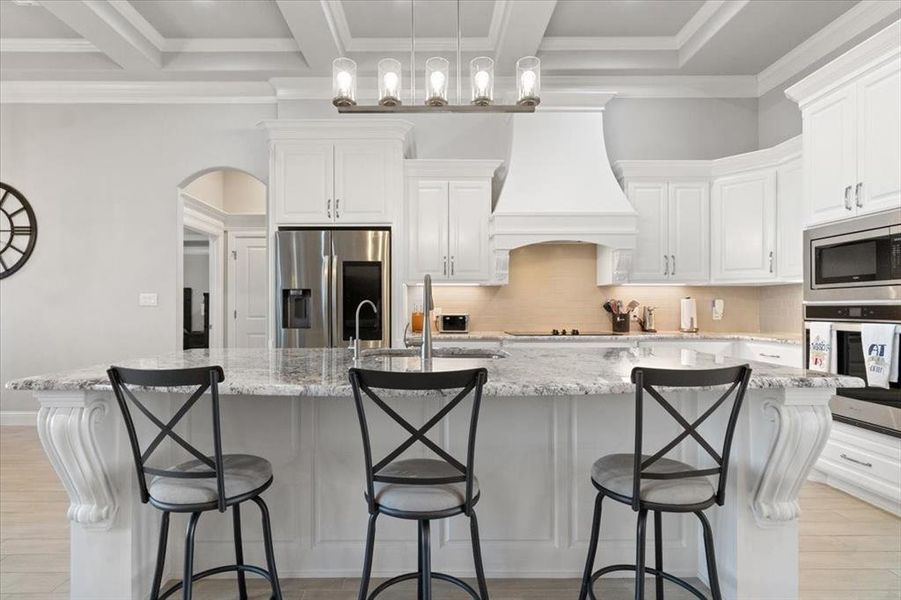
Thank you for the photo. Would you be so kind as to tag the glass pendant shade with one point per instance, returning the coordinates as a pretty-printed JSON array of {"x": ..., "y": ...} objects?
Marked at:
[
  {"x": 481, "y": 79},
  {"x": 436, "y": 79},
  {"x": 344, "y": 82},
  {"x": 389, "y": 82},
  {"x": 528, "y": 81}
]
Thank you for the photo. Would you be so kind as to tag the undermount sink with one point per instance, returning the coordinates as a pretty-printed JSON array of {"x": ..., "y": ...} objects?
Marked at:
[{"x": 437, "y": 353}]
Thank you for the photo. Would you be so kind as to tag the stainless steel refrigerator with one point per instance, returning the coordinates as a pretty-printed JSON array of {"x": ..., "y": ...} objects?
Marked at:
[{"x": 321, "y": 277}]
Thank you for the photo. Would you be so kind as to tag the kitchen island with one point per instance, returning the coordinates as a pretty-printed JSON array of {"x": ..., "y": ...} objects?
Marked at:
[{"x": 548, "y": 414}]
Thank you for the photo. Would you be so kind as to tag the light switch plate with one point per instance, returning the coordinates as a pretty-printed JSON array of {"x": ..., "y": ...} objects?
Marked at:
[
  {"x": 717, "y": 309},
  {"x": 147, "y": 299}
]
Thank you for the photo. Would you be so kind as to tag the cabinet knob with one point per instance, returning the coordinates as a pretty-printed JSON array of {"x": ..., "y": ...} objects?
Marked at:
[
  {"x": 445, "y": 265},
  {"x": 771, "y": 261},
  {"x": 337, "y": 202},
  {"x": 666, "y": 262},
  {"x": 858, "y": 199},
  {"x": 452, "y": 265},
  {"x": 673, "y": 256},
  {"x": 848, "y": 198},
  {"x": 328, "y": 208}
]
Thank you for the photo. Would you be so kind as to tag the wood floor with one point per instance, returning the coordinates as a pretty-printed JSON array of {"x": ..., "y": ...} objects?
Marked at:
[{"x": 849, "y": 550}]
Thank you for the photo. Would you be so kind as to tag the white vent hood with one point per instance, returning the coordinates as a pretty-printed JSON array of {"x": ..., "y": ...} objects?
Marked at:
[{"x": 560, "y": 186}]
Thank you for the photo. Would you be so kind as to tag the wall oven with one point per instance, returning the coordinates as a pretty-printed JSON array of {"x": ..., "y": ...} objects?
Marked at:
[
  {"x": 856, "y": 260},
  {"x": 874, "y": 408}
]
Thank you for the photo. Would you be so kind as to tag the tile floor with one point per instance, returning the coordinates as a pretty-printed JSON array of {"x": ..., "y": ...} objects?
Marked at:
[{"x": 849, "y": 550}]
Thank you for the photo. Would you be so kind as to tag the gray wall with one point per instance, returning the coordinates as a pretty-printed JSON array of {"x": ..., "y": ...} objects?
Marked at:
[{"x": 102, "y": 180}]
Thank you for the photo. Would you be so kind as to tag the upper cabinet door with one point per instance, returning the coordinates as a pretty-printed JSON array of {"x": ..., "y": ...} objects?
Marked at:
[
  {"x": 650, "y": 261},
  {"x": 303, "y": 188},
  {"x": 789, "y": 221},
  {"x": 470, "y": 210},
  {"x": 830, "y": 163},
  {"x": 879, "y": 139},
  {"x": 428, "y": 229},
  {"x": 689, "y": 231},
  {"x": 743, "y": 227},
  {"x": 362, "y": 182}
]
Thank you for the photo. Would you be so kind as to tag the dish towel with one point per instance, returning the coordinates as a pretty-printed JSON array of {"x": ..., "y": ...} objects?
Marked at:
[
  {"x": 880, "y": 353},
  {"x": 820, "y": 349}
]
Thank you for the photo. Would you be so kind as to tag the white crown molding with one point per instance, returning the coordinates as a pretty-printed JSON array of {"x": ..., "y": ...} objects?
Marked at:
[
  {"x": 471, "y": 44},
  {"x": 348, "y": 127},
  {"x": 848, "y": 25},
  {"x": 578, "y": 44},
  {"x": 44, "y": 45},
  {"x": 451, "y": 167},
  {"x": 879, "y": 48},
  {"x": 334, "y": 13},
  {"x": 229, "y": 45},
  {"x": 657, "y": 86},
  {"x": 136, "y": 92},
  {"x": 715, "y": 14},
  {"x": 136, "y": 20}
]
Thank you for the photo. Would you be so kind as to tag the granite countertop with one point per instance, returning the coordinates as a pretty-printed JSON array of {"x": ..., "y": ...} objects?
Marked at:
[
  {"x": 559, "y": 371},
  {"x": 634, "y": 336}
]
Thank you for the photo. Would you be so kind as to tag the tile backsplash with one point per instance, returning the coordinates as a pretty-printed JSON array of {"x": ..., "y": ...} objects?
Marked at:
[{"x": 554, "y": 286}]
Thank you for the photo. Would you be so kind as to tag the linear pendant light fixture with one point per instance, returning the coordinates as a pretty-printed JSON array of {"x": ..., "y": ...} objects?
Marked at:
[{"x": 437, "y": 78}]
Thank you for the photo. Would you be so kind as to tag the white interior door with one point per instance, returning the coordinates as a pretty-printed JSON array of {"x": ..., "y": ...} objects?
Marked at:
[{"x": 247, "y": 291}]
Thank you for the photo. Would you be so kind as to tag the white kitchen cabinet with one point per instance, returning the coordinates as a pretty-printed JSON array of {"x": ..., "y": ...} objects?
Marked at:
[
  {"x": 448, "y": 211},
  {"x": 743, "y": 227},
  {"x": 852, "y": 130},
  {"x": 651, "y": 255},
  {"x": 673, "y": 231},
  {"x": 362, "y": 182},
  {"x": 302, "y": 174},
  {"x": 790, "y": 221},
  {"x": 879, "y": 139},
  {"x": 788, "y": 355}
]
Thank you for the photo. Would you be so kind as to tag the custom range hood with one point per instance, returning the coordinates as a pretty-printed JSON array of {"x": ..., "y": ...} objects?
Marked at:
[{"x": 560, "y": 188}]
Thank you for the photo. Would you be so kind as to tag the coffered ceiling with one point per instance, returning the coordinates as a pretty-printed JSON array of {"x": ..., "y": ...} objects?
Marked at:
[{"x": 691, "y": 47}]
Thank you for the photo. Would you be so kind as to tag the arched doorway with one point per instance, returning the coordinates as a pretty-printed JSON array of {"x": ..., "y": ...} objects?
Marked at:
[{"x": 222, "y": 259}]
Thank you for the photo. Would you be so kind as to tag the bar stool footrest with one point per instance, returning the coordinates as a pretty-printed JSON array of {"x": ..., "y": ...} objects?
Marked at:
[
  {"x": 216, "y": 571},
  {"x": 648, "y": 570},
  {"x": 440, "y": 576}
]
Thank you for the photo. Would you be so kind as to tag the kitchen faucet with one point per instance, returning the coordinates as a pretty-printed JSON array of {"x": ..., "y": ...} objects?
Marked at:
[
  {"x": 356, "y": 340},
  {"x": 427, "y": 306}
]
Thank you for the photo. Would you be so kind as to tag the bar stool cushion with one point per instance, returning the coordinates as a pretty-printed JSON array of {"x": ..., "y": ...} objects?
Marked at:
[
  {"x": 614, "y": 472},
  {"x": 421, "y": 498},
  {"x": 243, "y": 473}
]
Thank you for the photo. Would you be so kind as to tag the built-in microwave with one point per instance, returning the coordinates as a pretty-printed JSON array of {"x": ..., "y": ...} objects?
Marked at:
[{"x": 855, "y": 260}]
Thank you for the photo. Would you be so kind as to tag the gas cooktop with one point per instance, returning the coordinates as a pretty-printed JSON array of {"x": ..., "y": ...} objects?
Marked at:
[{"x": 559, "y": 332}]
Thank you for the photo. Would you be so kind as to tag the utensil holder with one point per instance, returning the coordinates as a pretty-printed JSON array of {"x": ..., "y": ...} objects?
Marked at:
[{"x": 620, "y": 323}]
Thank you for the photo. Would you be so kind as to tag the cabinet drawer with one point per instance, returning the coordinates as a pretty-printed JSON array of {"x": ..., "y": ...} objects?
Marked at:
[
  {"x": 862, "y": 461},
  {"x": 778, "y": 354}
]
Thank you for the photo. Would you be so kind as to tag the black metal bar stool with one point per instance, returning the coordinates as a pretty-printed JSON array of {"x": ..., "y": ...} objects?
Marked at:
[
  {"x": 209, "y": 482},
  {"x": 658, "y": 484},
  {"x": 421, "y": 489}
]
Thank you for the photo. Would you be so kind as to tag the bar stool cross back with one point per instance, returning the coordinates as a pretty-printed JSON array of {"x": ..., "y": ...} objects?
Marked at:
[
  {"x": 420, "y": 489},
  {"x": 209, "y": 482},
  {"x": 658, "y": 484}
]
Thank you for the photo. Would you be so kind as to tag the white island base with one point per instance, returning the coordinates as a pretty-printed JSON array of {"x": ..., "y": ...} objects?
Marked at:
[{"x": 533, "y": 460}]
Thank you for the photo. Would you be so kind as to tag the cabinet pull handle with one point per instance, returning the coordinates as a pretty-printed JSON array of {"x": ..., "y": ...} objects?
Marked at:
[
  {"x": 666, "y": 269},
  {"x": 770, "y": 355},
  {"x": 328, "y": 208},
  {"x": 337, "y": 201},
  {"x": 771, "y": 261},
  {"x": 857, "y": 462},
  {"x": 858, "y": 200},
  {"x": 445, "y": 265},
  {"x": 848, "y": 198},
  {"x": 674, "y": 265},
  {"x": 452, "y": 264}
]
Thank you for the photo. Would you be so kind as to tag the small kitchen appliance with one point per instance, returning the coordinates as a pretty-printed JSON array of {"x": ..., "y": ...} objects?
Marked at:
[
  {"x": 688, "y": 319},
  {"x": 647, "y": 321},
  {"x": 453, "y": 323}
]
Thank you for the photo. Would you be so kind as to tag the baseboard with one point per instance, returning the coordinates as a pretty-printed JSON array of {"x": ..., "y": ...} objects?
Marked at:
[{"x": 19, "y": 418}]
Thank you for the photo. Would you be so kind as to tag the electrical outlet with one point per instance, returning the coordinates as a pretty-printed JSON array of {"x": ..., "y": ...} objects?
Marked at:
[
  {"x": 717, "y": 308},
  {"x": 147, "y": 299}
]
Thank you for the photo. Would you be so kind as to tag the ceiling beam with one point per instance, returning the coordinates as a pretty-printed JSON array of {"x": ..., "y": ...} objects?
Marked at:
[
  {"x": 520, "y": 29},
  {"x": 315, "y": 31},
  {"x": 111, "y": 32},
  {"x": 704, "y": 25}
]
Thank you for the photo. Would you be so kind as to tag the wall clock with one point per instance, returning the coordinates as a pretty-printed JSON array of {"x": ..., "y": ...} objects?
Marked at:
[{"x": 18, "y": 230}]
